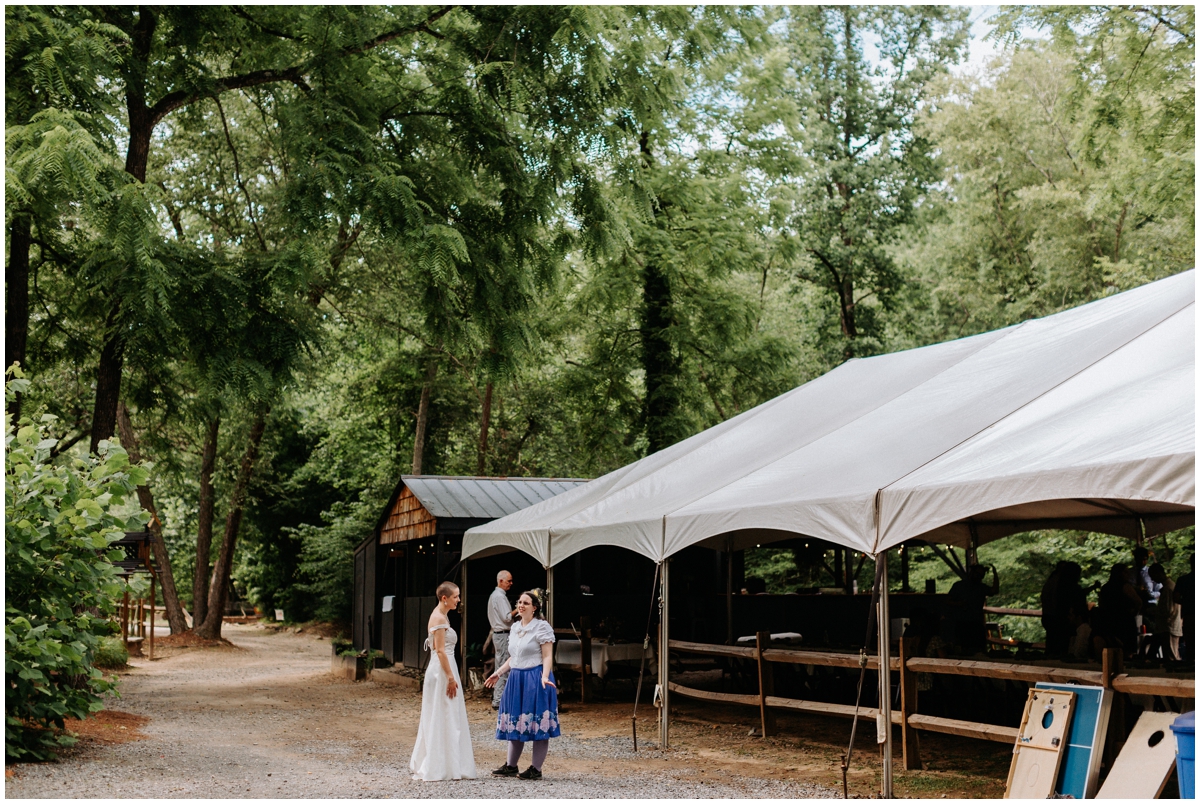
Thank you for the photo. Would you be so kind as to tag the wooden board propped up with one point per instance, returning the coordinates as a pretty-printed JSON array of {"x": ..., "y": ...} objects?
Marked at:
[
  {"x": 1040, "y": 743},
  {"x": 1146, "y": 760}
]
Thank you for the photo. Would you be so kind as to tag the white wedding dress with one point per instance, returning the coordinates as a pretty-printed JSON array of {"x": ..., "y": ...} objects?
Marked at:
[{"x": 443, "y": 750}]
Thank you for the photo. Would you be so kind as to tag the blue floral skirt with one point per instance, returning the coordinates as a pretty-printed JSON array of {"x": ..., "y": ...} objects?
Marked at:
[{"x": 528, "y": 711}]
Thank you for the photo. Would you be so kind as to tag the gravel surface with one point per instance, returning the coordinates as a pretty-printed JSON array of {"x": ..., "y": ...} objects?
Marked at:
[{"x": 267, "y": 719}]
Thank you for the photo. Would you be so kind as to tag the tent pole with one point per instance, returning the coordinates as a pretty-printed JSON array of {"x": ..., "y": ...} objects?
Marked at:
[
  {"x": 664, "y": 713},
  {"x": 729, "y": 595},
  {"x": 463, "y": 625},
  {"x": 885, "y": 677},
  {"x": 550, "y": 595}
]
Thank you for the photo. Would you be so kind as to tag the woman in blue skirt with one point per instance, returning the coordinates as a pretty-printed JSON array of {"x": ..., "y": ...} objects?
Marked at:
[{"x": 529, "y": 705}]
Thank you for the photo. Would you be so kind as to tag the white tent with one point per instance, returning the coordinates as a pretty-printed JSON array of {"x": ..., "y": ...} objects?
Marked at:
[
  {"x": 1086, "y": 415},
  {"x": 1084, "y": 419}
]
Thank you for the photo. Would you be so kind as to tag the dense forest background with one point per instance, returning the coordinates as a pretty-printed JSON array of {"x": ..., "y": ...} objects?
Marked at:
[{"x": 286, "y": 254}]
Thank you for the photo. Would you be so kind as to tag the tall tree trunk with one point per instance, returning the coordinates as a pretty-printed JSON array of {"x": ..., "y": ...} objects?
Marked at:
[
  {"x": 16, "y": 299},
  {"x": 137, "y": 159},
  {"x": 108, "y": 380},
  {"x": 218, "y": 593},
  {"x": 418, "y": 461},
  {"x": 208, "y": 462},
  {"x": 484, "y": 423},
  {"x": 176, "y": 616},
  {"x": 659, "y": 361}
]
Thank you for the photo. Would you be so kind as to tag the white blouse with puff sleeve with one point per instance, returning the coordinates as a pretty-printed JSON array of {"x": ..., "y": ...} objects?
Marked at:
[{"x": 525, "y": 643}]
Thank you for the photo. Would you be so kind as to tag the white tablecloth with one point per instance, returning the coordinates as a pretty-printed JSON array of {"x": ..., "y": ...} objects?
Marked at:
[
  {"x": 568, "y": 651},
  {"x": 787, "y": 637}
]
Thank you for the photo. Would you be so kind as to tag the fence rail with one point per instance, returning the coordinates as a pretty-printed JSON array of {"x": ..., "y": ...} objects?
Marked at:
[{"x": 1110, "y": 676}]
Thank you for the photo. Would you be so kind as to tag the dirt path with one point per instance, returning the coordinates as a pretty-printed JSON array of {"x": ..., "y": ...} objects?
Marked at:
[{"x": 266, "y": 719}]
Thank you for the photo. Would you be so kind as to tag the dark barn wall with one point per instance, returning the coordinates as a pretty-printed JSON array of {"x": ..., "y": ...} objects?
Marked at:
[
  {"x": 527, "y": 573},
  {"x": 411, "y": 572},
  {"x": 363, "y": 622}
]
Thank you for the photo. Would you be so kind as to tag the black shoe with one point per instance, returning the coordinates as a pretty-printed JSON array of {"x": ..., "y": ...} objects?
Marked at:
[
  {"x": 531, "y": 774},
  {"x": 506, "y": 770}
]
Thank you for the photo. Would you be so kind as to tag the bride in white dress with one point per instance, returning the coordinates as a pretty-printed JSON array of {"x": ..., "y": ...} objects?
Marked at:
[{"x": 443, "y": 750}]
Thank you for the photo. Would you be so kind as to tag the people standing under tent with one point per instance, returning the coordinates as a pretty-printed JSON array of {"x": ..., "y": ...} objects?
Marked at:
[
  {"x": 1146, "y": 586},
  {"x": 967, "y": 598},
  {"x": 500, "y": 616},
  {"x": 529, "y": 708},
  {"x": 1051, "y": 615},
  {"x": 1168, "y": 624},
  {"x": 1062, "y": 594},
  {"x": 443, "y": 748},
  {"x": 1185, "y": 596},
  {"x": 1119, "y": 606}
]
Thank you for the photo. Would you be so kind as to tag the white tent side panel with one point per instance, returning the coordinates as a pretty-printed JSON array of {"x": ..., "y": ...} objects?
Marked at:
[
  {"x": 1124, "y": 429},
  {"x": 827, "y": 489}
]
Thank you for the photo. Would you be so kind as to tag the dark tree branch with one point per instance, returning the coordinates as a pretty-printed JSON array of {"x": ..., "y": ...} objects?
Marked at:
[
  {"x": 181, "y": 97},
  {"x": 384, "y": 38},
  {"x": 63, "y": 446},
  {"x": 829, "y": 265},
  {"x": 1163, "y": 21},
  {"x": 241, "y": 12}
]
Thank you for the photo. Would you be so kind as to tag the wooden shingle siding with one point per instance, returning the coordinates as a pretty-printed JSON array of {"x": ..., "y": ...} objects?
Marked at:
[{"x": 407, "y": 520}]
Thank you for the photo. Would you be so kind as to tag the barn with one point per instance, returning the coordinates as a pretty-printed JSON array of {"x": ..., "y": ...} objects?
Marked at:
[{"x": 417, "y": 543}]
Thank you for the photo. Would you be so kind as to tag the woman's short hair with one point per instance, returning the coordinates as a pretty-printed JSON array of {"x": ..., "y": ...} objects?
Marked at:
[
  {"x": 538, "y": 597},
  {"x": 445, "y": 589}
]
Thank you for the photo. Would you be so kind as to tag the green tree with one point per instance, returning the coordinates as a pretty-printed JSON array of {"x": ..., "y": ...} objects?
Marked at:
[
  {"x": 1053, "y": 198},
  {"x": 59, "y": 152},
  {"x": 866, "y": 168}
]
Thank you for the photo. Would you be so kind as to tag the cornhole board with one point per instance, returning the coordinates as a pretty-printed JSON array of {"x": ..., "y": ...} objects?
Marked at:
[
  {"x": 1079, "y": 776},
  {"x": 1041, "y": 741},
  {"x": 1146, "y": 760}
]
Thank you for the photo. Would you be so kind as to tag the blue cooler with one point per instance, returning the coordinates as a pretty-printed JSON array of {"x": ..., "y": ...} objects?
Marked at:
[{"x": 1185, "y": 753}]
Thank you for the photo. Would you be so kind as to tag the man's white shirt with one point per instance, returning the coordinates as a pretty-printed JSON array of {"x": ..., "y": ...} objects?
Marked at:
[{"x": 499, "y": 610}]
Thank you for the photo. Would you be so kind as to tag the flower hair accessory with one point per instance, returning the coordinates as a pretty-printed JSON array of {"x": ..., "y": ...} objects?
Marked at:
[{"x": 539, "y": 598}]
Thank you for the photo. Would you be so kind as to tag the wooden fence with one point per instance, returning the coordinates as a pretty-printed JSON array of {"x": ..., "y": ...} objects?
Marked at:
[{"x": 1109, "y": 675}]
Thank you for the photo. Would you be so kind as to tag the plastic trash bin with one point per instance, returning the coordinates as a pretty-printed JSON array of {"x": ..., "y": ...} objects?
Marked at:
[{"x": 1185, "y": 753}]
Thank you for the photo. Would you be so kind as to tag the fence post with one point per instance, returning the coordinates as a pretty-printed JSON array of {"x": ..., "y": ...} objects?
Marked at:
[
  {"x": 585, "y": 655},
  {"x": 151, "y": 616},
  {"x": 908, "y": 705},
  {"x": 1111, "y": 665},
  {"x": 766, "y": 681}
]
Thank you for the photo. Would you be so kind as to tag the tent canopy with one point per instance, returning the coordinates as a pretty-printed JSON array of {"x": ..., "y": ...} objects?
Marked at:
[{"x": 1085, "y": 419}]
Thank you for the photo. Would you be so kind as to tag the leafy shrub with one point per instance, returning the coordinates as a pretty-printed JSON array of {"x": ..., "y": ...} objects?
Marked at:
[
  {"x": 111, "y": 654},
  {"x": 59, "y": 582}
]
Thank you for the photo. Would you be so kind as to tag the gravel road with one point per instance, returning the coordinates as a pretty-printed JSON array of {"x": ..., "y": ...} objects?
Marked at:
[{"x": 266, "y": 719}]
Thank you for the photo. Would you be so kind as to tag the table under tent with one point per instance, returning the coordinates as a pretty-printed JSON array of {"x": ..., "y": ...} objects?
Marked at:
[{"x": 1080, "y": 420}]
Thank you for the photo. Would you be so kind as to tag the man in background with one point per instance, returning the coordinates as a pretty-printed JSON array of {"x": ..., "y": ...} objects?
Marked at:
[
  {"x": 500, "y": 616},
  {"x": 1185, "y": 596},
  {"x": 1146, "y": 586},
  {"x": 967, "y": 598}
]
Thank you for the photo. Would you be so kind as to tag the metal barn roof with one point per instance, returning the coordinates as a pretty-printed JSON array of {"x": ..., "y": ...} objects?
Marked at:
[{"x": 483, "y": 497}]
